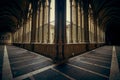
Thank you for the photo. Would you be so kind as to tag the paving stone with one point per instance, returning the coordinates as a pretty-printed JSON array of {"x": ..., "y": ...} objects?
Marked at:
[
  {"x": 50, "y": 75},
  {"x": 78, "y": 74},
  {"x": 92, "y": 68}
]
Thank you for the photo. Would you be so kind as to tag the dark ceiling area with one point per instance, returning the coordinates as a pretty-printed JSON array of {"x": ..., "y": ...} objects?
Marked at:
[
  {"x": 12, "y": 12},
  {"x": 113, "y": 32}
]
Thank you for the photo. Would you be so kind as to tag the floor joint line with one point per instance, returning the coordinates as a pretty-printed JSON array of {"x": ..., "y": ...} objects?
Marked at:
[
  {"x": 63, "y": 74},
  {"x": 114, "y": 71},
  {"x": 6, "y": 72},
  {"x": 89, "y": 71}
]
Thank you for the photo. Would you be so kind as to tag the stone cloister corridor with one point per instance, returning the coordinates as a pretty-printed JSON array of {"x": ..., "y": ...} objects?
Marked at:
[{"x": 59, "y": 40}]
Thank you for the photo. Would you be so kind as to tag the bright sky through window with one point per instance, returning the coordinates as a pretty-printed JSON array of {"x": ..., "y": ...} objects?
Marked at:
[
  {"x": 52, "y": 14},
  {"x": 68, "y": 12}
]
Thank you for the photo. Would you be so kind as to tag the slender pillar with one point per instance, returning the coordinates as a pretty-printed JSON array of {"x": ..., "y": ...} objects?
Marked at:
[
  {"x": 91, "y": 25},
  {"x": 76, "y": 20},
  {"x": 39, "y": 11},
  {"x": 30, "y": 23},
  {"x": 43, "y": 17},
  {"x": 27, "y": 31},
  {"x": 20, "y": 31},
  {"x": 37, "y": 17},
  {"x": 12, "y": 38},
  {"x": 90, "y": 37},
  {"x": 24, "y": 31},
  {"x": 92, "y": 28},
  {"x": 95, "y": 30},
  {"x": 102, "y": 31},
  {"x": 99, "y": 34},
  {"x": 49, "y": 2},
  {"x": 80, "y": 10},
  {"x": 103, "y": 34},
  {"x": 86, "y": 27},
  {"x": 40, "y": 33},
  {"x": 83, "y": 28},
  {"x": 33, "y": 27},
  {"x": 71, "y": 23},
  {"x": 17, "y": 36}
]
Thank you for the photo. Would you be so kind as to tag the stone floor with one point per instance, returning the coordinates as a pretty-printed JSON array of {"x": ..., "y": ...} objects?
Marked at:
[{"x": 20, "y": 64}]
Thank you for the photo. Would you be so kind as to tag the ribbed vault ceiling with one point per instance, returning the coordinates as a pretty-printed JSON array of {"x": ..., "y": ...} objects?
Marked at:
[
  {"x": 108, "y": 11},
  {"x": 12, "y": 12}
]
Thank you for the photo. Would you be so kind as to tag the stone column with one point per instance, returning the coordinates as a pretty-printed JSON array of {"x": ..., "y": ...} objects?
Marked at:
[
  {"x": 74, "y": 20},
  {"x": 21, "y": 33},
  {"x": 13, "y": 39},
  {"x": 33, "y": 27},
  {"x": 27, "y": 31},
  {"x": 17, "y": 36},
  {"x": 86, "y": 26},
  {"x": 103, "y": 32},
  {"x": 39, "y": 20},
  {"x": 90, "y": 30},
  {"x": 98, "y": 32},
  {"x": 60, "y": 28},
  {"x": 71, "y": 25},
  {"x": 83, "y": 29},
  {"x": 100, "y": 35},
  {"x": 30, "y": 24},
  {"x": 24, "y": 32},
  {"x": 14, "y": 36},
  {"x": 76, "y": 1},
  {"x": 49, "y": 3},
  {"x": 95, "y": 30},
  {"x": 43, "y": 17},
  {"x": 80, "y": 11}
]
